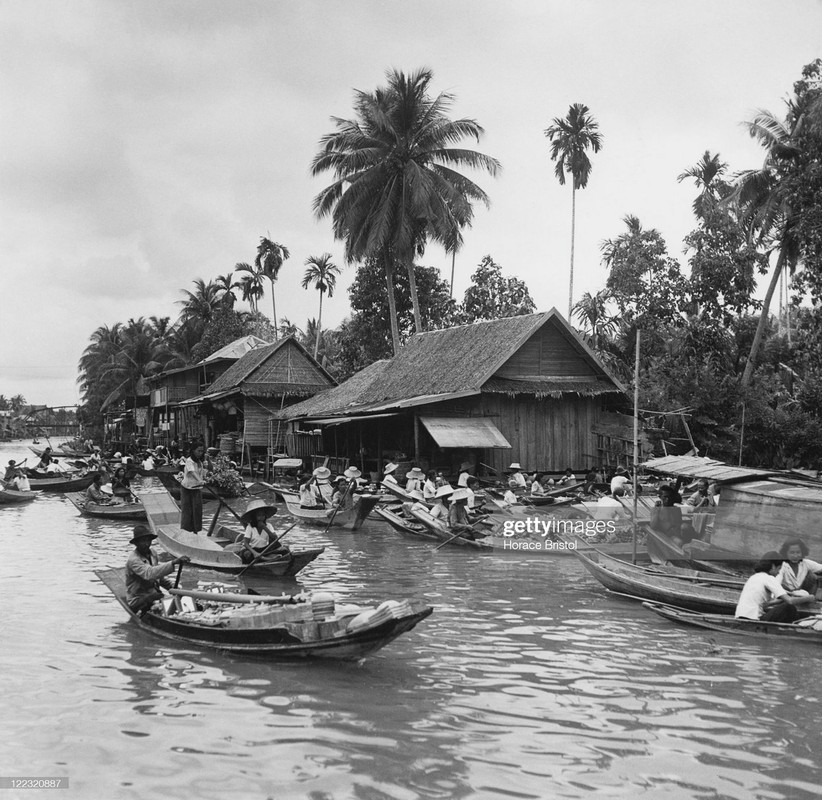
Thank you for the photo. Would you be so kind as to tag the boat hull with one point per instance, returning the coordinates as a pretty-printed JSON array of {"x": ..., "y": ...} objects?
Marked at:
[
  {"x": 627, "y": 580},
  {"x": 275, "y": 642},
  {"x": 63, "y": 484},
  {"x": 13, "y": 497},
  {"x": 127, "y": 511},
  {"x": 737, "y": 626}
]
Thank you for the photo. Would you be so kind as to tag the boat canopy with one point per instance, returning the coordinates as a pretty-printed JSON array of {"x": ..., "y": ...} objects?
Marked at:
[{"x": 698, "y": 467}]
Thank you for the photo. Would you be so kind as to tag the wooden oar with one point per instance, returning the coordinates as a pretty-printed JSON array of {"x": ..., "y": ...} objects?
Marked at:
[
  {"x": 179, "y": 572},
  {"x": 455, "y": 536},
  {"x": 265, "y": 551},
  {"x": 338, "y": 506}
]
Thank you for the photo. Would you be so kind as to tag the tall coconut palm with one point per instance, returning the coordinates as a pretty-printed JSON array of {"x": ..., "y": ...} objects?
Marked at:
[
  {"x": 251, "y": 284},
  {"x": 570, "y": 138},
  {"x": 269, "y": 260},
  {"x": 763, "y": 200},
  {"x": 397, "y": 183},
  {"x": 322, "y": 274}
]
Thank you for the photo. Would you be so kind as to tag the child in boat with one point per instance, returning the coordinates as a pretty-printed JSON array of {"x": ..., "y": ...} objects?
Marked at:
[
  {"x": 763, "y": 596},
  {"x": 798, "y": 571},
  {"x": 258, "y": 535},
  {"x": 343, "y": 497}
]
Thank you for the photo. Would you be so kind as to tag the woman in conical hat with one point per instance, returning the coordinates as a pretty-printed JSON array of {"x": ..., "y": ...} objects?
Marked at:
[
  {"x": 439, "y": 509},
  {"x": 388, "y": 473},
  {"x": 414, "y": 479},
  {"x": 258, "y": 534},
  {"x": 321, "y": 476},
  {"x": 516, "y": 474}
]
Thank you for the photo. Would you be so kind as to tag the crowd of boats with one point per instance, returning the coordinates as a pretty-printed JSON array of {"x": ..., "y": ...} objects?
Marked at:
[{"x": 635, "y": 534}]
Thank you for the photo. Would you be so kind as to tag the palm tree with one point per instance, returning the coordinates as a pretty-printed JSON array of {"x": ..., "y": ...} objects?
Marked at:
[
  {"x": 322, "y": 273},
  {"x": 763, "y": 200},
  {"x": 592, "y": 312},
  {"x": 226, "y": 285},
  {"x": 396, "y": 181},
  {"x": 199, "y": 306},
  {"x": 270, "y": 257},
  {"x": 251, "y": 284},
  {"x": 707, "y": 174},
  {"x": 570, "y": 138}
]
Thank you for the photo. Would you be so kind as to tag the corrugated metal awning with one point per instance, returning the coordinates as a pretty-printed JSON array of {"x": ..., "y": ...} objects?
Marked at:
[
  {"x": 465, "y": 432},
  {"x": 696, "y": 467},
  {"x": 343, "y": 420},
  {"x": 195, "y": 401}
]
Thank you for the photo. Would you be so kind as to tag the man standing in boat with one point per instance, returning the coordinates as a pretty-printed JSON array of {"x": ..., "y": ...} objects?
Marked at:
[{"x": 144, "y": 573}]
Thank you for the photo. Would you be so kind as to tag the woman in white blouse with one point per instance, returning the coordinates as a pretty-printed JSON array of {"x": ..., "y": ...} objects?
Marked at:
[
  {"x": 191, "y": 492},
  {"x": 798, "y": 571}
]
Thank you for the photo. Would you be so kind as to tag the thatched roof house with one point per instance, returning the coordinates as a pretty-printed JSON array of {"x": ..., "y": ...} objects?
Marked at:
[{"x": 523, "y": 388}]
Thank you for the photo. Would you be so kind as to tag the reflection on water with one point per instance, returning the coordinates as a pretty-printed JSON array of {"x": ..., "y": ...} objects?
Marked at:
[{"x": 527, "y": 682}]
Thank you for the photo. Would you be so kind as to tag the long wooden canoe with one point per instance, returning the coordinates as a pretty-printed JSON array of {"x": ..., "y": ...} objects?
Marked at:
[
  {"x": 275, "y": 630},
  {"x": 208, "y": 551},
  {"x": 363, "y": 506},
  {"x": 13, "y": 497},
  {"x": 399, "y": 523},
  {"x": 63, "y": 484},
  {"x": 737, "y": 625},
  {"x": 695, "y": 596},
  {"x": 102, "y": 511}
]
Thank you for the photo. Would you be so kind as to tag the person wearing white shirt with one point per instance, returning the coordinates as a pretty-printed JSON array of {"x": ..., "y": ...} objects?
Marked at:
[
  {"x": 509, "y": 498},
  {"x": 465, "y": 473},
  {"x": 429, "y": 488},
  {"x": 388, "y": 474},
  {"x": 414, "y": 479},
  {"x": 609, "y": 507},
  {"x": 619, "y": 482},
  {"x": 148, "y": 462},
  {"x": 798, "y": 571},
  {"x": 516, "y": 475},
  {"x": 763, "y": 596}
]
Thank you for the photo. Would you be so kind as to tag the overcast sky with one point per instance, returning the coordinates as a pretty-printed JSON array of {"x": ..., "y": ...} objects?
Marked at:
[{"x": 146, "y": 144}]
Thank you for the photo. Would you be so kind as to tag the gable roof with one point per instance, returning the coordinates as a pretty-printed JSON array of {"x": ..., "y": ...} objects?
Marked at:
[
  {"x": 236, "y": 349},
  {"x": 254, "y": 374},
  {"x": 456, "y": 362}
]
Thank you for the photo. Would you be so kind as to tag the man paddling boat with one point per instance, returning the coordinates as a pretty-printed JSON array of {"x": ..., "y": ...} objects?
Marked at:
[{"x": 144, "y": 572}]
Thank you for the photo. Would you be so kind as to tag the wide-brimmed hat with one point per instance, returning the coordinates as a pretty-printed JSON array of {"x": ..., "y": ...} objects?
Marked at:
[
  {"x": 460, "y": 494},
  {"x": 515, "y": 466},
  {"x": 118, "y": 454},
  {"x": 416, "y": 472},
  {"x": 465, "y": 465},
  {"x": 417, "y": 494},
  {"x": 340, "y": 478},
  {"x": 253, "y": 507},
  {"x": 141, "y": 532},
  {"x": 389, "y": 468},
  {"x": 352, "y": 472},
  {"x": 322, "y": 473},
  {"x": 12, "y": 462},
  {"x": 444, "y": 491}
]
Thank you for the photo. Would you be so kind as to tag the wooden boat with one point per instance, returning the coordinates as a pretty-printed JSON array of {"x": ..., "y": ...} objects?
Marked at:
[
  {"x": 624, "y": 579},
  {"x": 701, "y": 554},
  {"x": 399, "y": 523},
  {"x": 13, "y": 497},
  {"x": 103, "y": 511},
  {"x": 322, "y": 516},
  {"x": 273, "y": 627},
  {"x": 443, "y": 533},
  {"x": 738, "y": 626},
  {"x": 70, "y": 484},
  {"x": 208, "y": 551}
]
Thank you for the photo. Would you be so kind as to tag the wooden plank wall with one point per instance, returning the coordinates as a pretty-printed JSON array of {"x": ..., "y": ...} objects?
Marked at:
[
  {"x": 548, "y": 353},
  {"x": 256, "y": 414}
]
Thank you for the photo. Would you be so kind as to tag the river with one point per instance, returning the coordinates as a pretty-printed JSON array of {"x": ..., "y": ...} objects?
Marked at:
[{"x": 526, "y": 682}]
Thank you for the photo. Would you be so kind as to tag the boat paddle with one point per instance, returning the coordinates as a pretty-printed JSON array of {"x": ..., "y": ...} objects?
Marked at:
[
  {"x": 338, "y": 506},
  {"x": 266, "y": 550},
  {"x": 455, "y": 536}
]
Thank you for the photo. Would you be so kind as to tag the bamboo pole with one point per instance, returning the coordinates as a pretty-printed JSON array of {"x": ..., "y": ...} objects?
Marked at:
[{"x": 636, "y": 442}]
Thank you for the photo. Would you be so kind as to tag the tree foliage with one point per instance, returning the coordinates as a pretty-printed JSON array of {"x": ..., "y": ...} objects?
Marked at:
[{"x": 492, "y": 295}]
